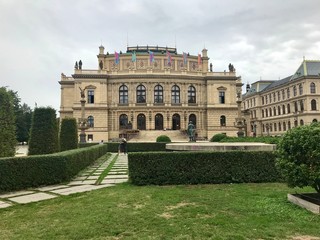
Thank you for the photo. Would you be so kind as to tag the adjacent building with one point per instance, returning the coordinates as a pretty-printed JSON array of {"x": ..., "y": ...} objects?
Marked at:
[
  {"x": 273, "y": 107},
  {"x": 150, "y": 88}
]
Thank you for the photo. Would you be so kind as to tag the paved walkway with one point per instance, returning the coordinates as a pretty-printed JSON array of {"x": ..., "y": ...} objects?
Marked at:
[{"x": 90, "y": 179}]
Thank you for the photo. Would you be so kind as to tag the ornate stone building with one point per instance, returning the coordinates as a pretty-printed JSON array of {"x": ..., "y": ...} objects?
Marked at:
[
  {"x": 273, "y": 107},
  {"x": 152, "y": 88}
]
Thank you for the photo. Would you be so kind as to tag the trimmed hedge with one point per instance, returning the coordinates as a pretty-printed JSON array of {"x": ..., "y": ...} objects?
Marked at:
[
  {"x": 138, "y": 147},
  {"x": 33, "y": 171},
  {"x": 202, "y": 167},
  {"x": 68, "y": 134}
]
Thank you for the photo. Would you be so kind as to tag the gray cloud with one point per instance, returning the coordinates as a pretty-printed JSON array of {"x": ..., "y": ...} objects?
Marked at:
[{"x": 41, "y": 39}]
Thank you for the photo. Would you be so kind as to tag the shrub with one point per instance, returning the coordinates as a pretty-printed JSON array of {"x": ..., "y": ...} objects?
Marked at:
[
  {"x": 7, "y": 124},
  {"x": 34, "y": 171},
  {"x": 202, "y": 167},
  {"x": 68, "y": 134},
  {"x": 44, "y": 132},
  {"x": 163, "y": 138},
  {"x": 299, "y": 156},
  {"x": 218, "y": 137},
  {"x": 138, "y": 147}
]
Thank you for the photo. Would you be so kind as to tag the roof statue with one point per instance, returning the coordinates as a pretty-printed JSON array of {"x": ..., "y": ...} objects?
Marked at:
[
  {"x": 76, "y": 65},
  {"x": 80, "y": 64}
]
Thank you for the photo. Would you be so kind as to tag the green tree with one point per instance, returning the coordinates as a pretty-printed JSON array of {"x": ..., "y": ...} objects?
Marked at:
[
  {"x": 7, "y": 124},
  {"x": 23, "y": 122},
  {"x": 68, "y": 134},
  {"x": 299, "y": 156},
  {"x": 44, "y": 132}
]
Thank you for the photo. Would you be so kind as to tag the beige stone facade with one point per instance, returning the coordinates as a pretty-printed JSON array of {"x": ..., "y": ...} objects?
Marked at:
[
  {"x": 273, "y": 107},
  {"x": 134, "y": 91}
]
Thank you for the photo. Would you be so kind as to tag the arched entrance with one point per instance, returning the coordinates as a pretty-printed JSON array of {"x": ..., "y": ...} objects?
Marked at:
[
  {"x": 158, "y": 122},
  {"x": 141, "y": 122},
  {"x": 176, "y": 122},
  {"x": 123, "y": 121},
  {"x": 193, "y": 119}
]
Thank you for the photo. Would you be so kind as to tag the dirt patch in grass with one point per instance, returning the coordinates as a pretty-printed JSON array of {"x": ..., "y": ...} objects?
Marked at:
[
  {"x": 305, "y": 238},
  {"x": 166, "y": 215},
  {"x": 180, "y": 205}
]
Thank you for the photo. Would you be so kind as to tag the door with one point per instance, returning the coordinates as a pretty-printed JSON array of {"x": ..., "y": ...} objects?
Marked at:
[{"x": 159, "y": 122}]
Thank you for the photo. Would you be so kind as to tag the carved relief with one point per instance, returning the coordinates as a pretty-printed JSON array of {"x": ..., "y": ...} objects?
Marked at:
[{"x": 142, "y": 63}]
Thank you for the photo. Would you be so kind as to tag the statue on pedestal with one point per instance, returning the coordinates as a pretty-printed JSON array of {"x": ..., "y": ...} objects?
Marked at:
[
  {"x": 82, "y": 94},
  {"x": 80, "y": 64},
  {"x": 191, "y": 132}
]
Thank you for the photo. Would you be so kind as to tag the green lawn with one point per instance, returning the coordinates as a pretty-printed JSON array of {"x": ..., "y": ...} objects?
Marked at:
[{"x": 235, "y": 211}]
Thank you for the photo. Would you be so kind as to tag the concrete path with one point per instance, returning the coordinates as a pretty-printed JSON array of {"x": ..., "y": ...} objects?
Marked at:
[{"x": 88, "y": 180}]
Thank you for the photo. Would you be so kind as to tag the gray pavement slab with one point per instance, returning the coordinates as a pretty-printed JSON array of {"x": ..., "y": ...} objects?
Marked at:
[
  {"x": 52, "y": 187},
  {"x": 92, "y": 178},
  {"x": 113, "y": 181},
  {"x": 116, "y": 177},
  {"x": 36, "y": 197},
  {"x": 14, "y": 194},
  {"x": 4, "y": 204},
  {"x": 79, "y": 189}
]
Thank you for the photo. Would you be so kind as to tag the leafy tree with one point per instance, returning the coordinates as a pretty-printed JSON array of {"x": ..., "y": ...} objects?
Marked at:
[
  {"x": 299, "y": 156},
  {"x": 44, "y": 132},
  {"x": 7, "y": 124},
  {"x": 68, "y": 134},
  {"x": 23, "y": 122}
]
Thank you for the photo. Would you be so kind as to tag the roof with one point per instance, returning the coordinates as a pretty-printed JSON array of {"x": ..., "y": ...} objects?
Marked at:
[
  {"x": 307, "y": 68},
  {"x": 151, "y": 48}
]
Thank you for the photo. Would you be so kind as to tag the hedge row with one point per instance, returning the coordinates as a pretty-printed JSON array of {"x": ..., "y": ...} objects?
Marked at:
[
  {"x": 33, "y": 171},
  {"x": 202, "y": 167},
  {"x": 136, "y": 146}
]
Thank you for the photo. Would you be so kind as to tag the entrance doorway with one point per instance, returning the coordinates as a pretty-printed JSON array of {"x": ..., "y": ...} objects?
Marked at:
[
  {"x": 141, "y": 122},
  {"x": 159, "y": 122},
  {"x": 193, "y": 119},
  {"x": 176, "y": 122}
]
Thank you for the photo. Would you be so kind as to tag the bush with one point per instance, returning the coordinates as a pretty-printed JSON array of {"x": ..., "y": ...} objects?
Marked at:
[
  {"x": 7, "y": 124},
  {"x": 138, "y": 147},
  {"x": 163, "y": 138},
  {"x": 299, "y": 156},
  {"x": 44, "y": 132},
  {"x": 202, "y": 167},
  {"x": 68, "y": 134},
  {"x": 34, "y": 171},
  {"x": 218, "y": 137}
]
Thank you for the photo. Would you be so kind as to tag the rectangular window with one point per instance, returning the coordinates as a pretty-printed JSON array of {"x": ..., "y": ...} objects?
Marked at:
[
  {"x": 90, "y": 137},
  {"x": 90, "y": 96},
  {"x": 221, "y": 97}
]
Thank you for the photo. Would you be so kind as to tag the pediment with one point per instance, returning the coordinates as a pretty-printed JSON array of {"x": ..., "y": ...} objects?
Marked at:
[
  {"x": 222, "y": 88},
  {"x": 91, "y": 87}
]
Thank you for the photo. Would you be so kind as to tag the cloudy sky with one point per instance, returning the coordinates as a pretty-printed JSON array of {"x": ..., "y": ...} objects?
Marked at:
[{"x": 40, "y": 39}]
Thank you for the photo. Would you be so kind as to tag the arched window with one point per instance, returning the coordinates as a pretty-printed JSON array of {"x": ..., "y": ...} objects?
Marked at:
[
  {"x": 279, "y": 126},
  {"x": 275, "y": 127},
  {"x": 262, "y": 100},
  {"x": 295, "y": 107},
  {"x": 90, "y": 121},
  {"x": 288, "y": 92},
  {"x": 301, "y": 122},
  {"x": 313, "y": 105},
  {"x": 274, "y": 97},
  {"x": 283, "y": 109},
  {"x": 262, "y": 113},
  {"x": 314, "y": 120},
  {"x": 288, "y": 108},
  {"x": 312, "y": 88},
  {"x": 263, "y": 128},
  {"x": 270, "y": 111},
  {"x": 158, "y": 94},
  {"x": 295, "y": 123},
  {"x": 284, "y": 126},
  {"x": 279, "y": 110},
  {"x": 294, "y": 91},
  {"x": 267, "y": 112},
  {"x": 123, "y": 121},
  {"x": 289, "y": 125},
  {"x": 222, "y": 120},
  {"x": 123, "y": 94},
  {"x": 300, "y": 89},
  {"x": 283, "y": 94},
  {"x": 192, "y": 94},
  {"x": 175, "y": 94},
  {"x": 301, "y": 105},
  {"x": 141, "y": 122},
  {"x": 193, "y": 119},
  {"x": 141, "y": 94},
  {"x": 274, "y": 111},
  {"x": 278, "y": 93}
]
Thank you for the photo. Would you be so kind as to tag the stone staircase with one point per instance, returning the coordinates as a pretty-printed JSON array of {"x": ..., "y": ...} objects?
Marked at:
[{"x": 151, "y": 136}]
